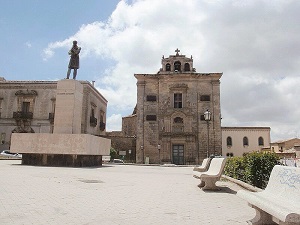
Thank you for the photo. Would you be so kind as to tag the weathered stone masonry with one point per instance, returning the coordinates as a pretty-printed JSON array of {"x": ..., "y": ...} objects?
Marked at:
[{"x": 170, "y": 108}]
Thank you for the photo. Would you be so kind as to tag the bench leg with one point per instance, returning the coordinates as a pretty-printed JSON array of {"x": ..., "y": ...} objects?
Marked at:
[
  {"x": 202, "y": 184},
  {"x": 261, "y": 217},
  {"x": 210, "y": 184}
]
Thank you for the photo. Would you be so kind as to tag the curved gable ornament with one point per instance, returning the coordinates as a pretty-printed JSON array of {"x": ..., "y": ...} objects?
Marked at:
[
  {"x": 178, "y": 114},
  {"x": 26, "y": 93}
]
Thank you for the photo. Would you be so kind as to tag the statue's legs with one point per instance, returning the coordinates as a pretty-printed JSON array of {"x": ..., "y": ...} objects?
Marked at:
[
  {"x": 68, "y": 73},
  {"x": 74, "y": 74}
]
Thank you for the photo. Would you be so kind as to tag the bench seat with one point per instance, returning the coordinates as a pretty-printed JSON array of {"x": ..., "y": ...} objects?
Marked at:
[
  {"x": 212, "y": 175},
  {"x": 204, "y": 166},
  {"x": 280, "y": 201}
]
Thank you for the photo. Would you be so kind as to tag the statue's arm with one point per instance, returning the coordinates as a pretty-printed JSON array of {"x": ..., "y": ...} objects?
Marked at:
[
  {"x": 74, "y": 51},
  {"x": 77, "y": 51}
]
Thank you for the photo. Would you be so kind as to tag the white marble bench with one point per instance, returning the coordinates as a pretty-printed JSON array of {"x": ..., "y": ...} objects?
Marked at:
[
  {"x": 280, "y": 201},
  {"x": 212, "y": 175},
  {"x": 204, "y": 166}
]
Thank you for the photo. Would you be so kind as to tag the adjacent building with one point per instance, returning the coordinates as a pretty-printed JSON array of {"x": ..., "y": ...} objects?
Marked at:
[
  {"x": 29, "y": 107},
  {"x": 289, "y": 148},
  {"x": 237, "y": 141}
]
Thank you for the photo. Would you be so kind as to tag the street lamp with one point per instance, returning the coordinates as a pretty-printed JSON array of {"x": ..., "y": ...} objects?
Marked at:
[
  {"x": 207, "y": 118},
  {"x": 158, "y": 148},
  {"x": 143, "y": 154}
]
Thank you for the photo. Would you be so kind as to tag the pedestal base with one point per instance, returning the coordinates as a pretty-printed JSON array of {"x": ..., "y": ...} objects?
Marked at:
[{"x": 61, "y": 160}]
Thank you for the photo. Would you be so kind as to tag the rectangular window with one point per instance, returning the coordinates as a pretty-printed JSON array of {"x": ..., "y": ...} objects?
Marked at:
[
  {"x": 151, "y": 117},
  {"x": 205, "y": 98},
  {"x": 25, "y": 107},
  {"x": 151, "y": 98},
  {"x": 177, "y": 100}
]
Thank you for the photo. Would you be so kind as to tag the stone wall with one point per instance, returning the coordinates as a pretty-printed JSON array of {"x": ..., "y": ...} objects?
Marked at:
[
  {"x": 129, "y": 125},
  {"x": 123, "y": 143},
  {"x": 163, "y": 130}
]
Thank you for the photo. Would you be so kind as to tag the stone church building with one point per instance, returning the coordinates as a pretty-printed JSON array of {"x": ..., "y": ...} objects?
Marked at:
[
  {"x": 168, "y": 123},
  {"x": 171, "y": 127}
]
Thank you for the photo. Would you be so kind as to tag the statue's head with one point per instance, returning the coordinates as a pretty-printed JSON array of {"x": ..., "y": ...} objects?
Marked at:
[{"x": 74, "y": 42}]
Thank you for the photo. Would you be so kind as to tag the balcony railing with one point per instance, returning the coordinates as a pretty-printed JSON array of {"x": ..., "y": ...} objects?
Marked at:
[
  {"x": 93, "y": 121},
  {"x": 102, "y": 126},
  {"x": 22, "y": 115}
]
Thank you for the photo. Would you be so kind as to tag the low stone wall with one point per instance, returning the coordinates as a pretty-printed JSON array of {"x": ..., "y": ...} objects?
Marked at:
[{"x": 243, "y": 184}]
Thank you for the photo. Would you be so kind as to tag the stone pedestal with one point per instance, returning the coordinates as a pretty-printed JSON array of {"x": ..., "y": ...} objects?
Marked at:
[
  {"x": 60, "y": 149},
  {"x": 66, "y": 146},
  {"x": 68, "y": 107}
]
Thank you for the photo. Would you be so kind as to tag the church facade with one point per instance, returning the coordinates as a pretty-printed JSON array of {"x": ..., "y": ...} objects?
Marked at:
[{"x": 178, "y": 113}]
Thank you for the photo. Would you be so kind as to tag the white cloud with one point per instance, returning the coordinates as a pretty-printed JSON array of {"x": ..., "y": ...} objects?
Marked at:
[
  {"x": 114, "y": 122},
  {"x": 254, "y": 43},
  {"x": 49, "y": 51},
  {"x": 28, "y": 44}
]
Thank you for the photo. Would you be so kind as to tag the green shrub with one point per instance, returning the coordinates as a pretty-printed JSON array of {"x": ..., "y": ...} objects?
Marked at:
[
  {"x": 235, "y": 167},
  {"x": 253, "y": 168},
  {"x": 113, "y": 153}
]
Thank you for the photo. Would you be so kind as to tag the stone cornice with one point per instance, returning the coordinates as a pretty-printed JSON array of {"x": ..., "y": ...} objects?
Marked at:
[
  {"x": 204, "y": 76},
  {"x": 245, "y": 128}
]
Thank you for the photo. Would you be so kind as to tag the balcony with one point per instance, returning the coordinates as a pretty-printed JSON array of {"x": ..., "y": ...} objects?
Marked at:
[
  {"x": 102, "y": 126},
  {"x": 51, "y": 118},
  {"x": 22, "y": 115},
  {"x": 93, "y": 121}
]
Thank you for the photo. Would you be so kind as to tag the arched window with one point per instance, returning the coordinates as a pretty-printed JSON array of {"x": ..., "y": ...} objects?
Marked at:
[
  {"x": 168, "y": 67},
  {"x": 260, "y": 141},
  {"x": 229, "y": 141},
  {"x": 177, "y": 66},
  {"x": 245, "y": 141},
  {"x": 229, "y": 154},
  {"x": 178, "y": 120},
  {"x": 187, "y": 67}
]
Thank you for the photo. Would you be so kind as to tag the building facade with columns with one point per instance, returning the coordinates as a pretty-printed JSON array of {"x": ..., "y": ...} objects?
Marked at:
[
  {"x": 171, "y": 127},
  {"x": 29, "y": 107}
]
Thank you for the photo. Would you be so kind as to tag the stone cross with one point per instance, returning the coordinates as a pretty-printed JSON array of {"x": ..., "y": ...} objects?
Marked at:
[{"x": 177, "y": 50}]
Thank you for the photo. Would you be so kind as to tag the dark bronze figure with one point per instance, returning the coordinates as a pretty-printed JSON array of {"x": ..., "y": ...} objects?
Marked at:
[{"x": 74, "y": 60}]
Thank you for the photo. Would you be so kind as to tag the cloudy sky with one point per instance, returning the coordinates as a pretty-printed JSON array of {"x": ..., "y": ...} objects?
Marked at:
[{"x": 256, "y": 44}]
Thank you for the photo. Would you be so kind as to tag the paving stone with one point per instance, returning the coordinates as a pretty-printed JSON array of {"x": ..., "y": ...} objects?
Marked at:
[{"x": 114, "y": 194}]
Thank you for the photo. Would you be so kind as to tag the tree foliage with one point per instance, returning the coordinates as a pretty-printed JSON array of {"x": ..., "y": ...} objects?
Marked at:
[{"x": 113, "y": 153}]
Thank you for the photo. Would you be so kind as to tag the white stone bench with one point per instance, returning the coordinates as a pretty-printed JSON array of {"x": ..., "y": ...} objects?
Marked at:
[
  {"x": 280, "y": 201},
  {"x": 204, "y": 166},
  {"x": 212, "y": 175}
]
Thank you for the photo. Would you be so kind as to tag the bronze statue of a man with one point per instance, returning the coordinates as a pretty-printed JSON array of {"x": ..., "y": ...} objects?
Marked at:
[{"x": 74, "y": 60}]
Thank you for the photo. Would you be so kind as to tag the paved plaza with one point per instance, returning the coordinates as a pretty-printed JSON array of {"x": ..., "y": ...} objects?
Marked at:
[{"x": 114, "y": 194}]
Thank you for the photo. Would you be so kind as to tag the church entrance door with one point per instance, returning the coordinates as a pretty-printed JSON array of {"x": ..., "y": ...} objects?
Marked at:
[{"x": 178, "y": 156}]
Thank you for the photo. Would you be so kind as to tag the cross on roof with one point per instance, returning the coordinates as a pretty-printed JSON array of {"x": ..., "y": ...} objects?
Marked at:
[{"x": 177, "y": 50}]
